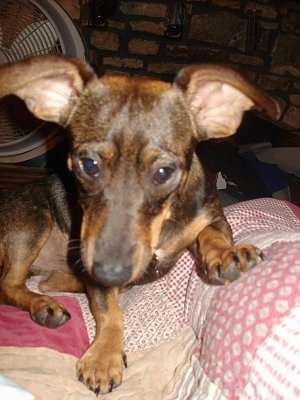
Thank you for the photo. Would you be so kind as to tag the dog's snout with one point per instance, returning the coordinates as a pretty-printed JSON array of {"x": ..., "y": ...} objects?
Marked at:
[{"x": 115, "y": 274}]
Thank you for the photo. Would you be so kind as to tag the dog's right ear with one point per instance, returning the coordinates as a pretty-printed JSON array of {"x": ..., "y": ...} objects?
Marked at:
[{"x": 49, "y": 85}]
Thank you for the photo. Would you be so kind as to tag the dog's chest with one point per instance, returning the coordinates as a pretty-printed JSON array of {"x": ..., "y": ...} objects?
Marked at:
[{"x": 53, "y": 255}]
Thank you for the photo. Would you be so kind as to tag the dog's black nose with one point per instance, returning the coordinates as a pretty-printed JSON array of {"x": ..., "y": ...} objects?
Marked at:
[{"x": 111, "y": 274}]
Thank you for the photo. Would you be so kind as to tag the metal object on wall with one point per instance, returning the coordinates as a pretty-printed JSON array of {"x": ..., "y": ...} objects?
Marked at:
[
  {"x": 101, "y": 11},
  {"x": 252, "y": 31},
  {"x": 176, "y": 19}
]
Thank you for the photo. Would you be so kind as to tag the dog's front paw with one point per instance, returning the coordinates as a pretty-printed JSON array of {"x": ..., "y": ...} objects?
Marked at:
[
  {"x": 46, "y": 311},
  {"x": 100, "y": 370},
  {"x": 226, "y": 265}
]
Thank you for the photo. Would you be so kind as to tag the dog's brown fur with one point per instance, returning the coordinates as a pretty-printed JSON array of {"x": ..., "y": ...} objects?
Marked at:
[{"x": 141, "y": 190}]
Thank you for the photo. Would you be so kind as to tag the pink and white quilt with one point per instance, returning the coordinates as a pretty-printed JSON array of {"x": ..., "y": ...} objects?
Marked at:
[{"x": 185, "y": 339}]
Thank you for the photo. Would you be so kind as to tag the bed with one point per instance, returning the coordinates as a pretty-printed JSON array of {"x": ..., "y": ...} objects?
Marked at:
[{"x": 184, "y": 339}]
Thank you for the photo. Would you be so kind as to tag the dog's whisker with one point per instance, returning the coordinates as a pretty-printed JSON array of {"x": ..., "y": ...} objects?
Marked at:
[
  {"x": 74, "y": 248},
  {"x": 180, "y": 224},
  {"x": 78, "y": 267},
  {"x": 71, "y": 241}
]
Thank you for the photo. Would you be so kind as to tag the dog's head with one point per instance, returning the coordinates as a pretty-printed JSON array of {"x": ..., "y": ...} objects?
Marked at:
[{"x": 132, "y": 146}]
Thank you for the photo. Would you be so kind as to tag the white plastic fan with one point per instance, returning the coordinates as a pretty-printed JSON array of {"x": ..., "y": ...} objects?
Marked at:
[{"x": 31, "y": 27}]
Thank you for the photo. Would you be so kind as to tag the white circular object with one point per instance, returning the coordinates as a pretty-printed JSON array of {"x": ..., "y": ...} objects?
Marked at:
[{"x": 32, "y": 27}]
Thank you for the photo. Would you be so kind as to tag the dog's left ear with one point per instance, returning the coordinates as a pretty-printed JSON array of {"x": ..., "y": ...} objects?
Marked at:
[{"x": 218, "y": 96}]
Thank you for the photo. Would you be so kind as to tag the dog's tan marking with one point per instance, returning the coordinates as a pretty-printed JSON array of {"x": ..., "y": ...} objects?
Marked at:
[
  {"x": 101, "y": 366},
  {"x": 87, "y": 243},
  {"x": 126, "y": 85},
  {"x": 185, "y": 238},
  {"x": 60, "y": 281},
  {"x": 149, "y": 239},
  {"x": 157, "y": 223}
]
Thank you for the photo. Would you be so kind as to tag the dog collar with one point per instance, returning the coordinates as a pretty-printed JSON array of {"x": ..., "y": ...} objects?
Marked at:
[{"x": 152, "y": 273}]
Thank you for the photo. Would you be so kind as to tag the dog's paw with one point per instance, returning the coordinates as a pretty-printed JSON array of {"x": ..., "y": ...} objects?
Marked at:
[
  {"x": 46, "y": 311},
  {"x": 226, "y": 265},
  {"x": 101, "y": 371}
]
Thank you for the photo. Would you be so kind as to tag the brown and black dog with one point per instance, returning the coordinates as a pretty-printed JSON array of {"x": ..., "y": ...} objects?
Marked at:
[{"x": 141, "y": 189}]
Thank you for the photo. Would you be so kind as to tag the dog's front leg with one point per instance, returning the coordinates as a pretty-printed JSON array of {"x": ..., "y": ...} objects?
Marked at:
[
  {"x": 225, "y": 261},
  {"x": 16, "y": 258},
  {"x": 101, "y": 366}
]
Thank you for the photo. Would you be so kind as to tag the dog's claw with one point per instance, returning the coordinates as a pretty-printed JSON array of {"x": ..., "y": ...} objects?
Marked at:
[
  {"x": 231, "y": 263},
  {"x": 48, "y": 312},
  {"x": 125, "y": 361},
  {"x": 111, "y": 385},
  {"x": 99, "y": 371},
  {"x": 231, "y": 273}
]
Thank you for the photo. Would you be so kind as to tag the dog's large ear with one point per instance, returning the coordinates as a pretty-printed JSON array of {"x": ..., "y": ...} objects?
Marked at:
[
  {"x": 49, "y": 85},
  {"x": 218, "y": 96}
]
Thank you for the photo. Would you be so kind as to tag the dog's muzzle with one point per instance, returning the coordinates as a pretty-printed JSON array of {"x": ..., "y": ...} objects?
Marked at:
[{"x": 111, "y": 274}]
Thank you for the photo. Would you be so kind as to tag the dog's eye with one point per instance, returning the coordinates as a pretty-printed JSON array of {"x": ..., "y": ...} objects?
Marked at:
[
  {"x": 90, "y": 167},
  {"x": 162, "y": 175}
]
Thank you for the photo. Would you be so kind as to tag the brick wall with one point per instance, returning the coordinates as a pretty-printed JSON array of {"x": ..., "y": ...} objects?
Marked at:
[{"x": 133, "y": 42}]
